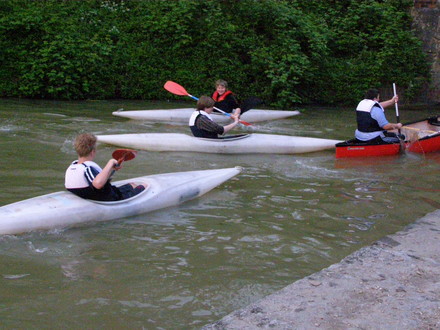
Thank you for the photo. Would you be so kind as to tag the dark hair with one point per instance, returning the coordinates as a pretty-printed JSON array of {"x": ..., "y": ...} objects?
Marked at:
[
  {"x": 371, "y": 94},
  {"x": 205, "y": 102}
]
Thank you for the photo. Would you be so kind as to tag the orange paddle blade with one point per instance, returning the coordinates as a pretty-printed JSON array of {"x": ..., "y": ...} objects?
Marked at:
[{"x": 175, "y": 88}]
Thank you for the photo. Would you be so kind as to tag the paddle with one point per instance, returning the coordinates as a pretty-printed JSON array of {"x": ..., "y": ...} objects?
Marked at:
[
  {"x": 397, "y": 107},
  {"x": 399, "y": 136},
  {"x": 177, "y": 89},
  {"x": 122, "y": 155}
]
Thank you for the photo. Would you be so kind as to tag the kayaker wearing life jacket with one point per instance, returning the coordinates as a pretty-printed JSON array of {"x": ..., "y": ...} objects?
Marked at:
[
  {"x": 372, "y": 124},
  {"x": 201, "y": 123},
  {"x": 86, "y": 179},
  {"x": 225, "y": 99}
]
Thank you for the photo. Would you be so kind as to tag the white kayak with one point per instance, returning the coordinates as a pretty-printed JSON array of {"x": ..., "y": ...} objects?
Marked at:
[
  {"x": 62, "y": 209},
  {"x": 238, "y": 144},
  {"x": 182, "y": 115}
]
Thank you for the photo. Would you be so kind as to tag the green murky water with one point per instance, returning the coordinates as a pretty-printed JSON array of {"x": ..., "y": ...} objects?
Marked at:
[{"x": 283, "y": 218}]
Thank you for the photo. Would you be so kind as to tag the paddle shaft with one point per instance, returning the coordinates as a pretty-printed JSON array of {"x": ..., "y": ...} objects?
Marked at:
[
  {"x": 397, "y": 107},
  {"x": 120, "y": 160}
]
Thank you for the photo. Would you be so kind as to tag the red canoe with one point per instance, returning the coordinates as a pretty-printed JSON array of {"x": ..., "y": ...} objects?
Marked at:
[{"x": 422, "y": 136}]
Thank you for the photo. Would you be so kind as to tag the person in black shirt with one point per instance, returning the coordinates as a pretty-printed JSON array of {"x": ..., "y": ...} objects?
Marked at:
[
  {"x": 201, "y": 123},
  {"x": 225, "y": 99}
]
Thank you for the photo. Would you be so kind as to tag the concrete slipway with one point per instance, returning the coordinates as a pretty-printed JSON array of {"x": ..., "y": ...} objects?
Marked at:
[{"x": 392, "y": 284}]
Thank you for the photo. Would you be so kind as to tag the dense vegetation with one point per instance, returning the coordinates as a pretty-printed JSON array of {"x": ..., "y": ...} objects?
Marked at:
[{"x": 287, "y": 52}]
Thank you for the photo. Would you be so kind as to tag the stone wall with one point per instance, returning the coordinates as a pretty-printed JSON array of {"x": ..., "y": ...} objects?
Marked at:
[{"x": 426, "y": 15}]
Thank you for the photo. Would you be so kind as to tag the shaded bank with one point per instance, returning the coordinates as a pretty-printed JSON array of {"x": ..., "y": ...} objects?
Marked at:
[{"x": 392, "y": 284}]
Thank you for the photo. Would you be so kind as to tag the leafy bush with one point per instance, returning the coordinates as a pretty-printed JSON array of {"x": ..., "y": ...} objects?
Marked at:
[{"x": 287, "y": 52}]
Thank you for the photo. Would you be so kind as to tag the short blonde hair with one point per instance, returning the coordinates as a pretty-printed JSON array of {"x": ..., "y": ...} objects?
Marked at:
[
  {"x": 205, "y": 102},
  {"x": 221, "y": 82},
  {"x": 84, "y": 144}
]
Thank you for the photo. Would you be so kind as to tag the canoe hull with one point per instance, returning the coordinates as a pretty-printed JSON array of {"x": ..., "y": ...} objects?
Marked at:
[
  {"x": 425, "y": 145},
  {"x": 352, "y": 149},
  {"x": 63, "y": 209},
  {"x": 183, "y": 115},
  {"x": 252, "y": 143}
]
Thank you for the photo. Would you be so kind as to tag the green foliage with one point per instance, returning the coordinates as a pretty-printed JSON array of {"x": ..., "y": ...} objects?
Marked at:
[
  {"x": 287, "y": 52},
  {"x": 371, "y": 45}
]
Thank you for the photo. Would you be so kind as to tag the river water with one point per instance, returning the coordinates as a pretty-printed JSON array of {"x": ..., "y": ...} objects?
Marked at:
[{"x": 283, "y": 218}]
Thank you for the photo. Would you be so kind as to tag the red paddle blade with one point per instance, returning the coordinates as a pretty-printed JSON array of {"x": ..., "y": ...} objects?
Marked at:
[
  {"x": 124, "y": 154},
  {"x": 245, "y": 123},
  {"x": 175, "y": 88}
]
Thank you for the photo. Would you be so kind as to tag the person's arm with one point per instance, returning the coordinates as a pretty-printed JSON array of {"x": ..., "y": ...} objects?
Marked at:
[
  {"x": 227, "y": 128},
  {"x": 391, "y": 126},
  {"x": 379, "y": 116},
  {"x": 389, "y": 102},
  {"x": 101, "y": 179}
]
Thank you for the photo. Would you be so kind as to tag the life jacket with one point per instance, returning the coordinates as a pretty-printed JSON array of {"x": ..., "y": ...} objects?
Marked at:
[
  {"x": 200, "y": 132},
  {"x": 366, "y": 123},
  {"x": 78, "y": 180},
  {"x": 218, "y": 98}
]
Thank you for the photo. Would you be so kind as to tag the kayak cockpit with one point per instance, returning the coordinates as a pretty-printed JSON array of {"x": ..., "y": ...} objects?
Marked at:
[
  {"x": 227, "y": 138},
  {"x": 123, "y": 200}
]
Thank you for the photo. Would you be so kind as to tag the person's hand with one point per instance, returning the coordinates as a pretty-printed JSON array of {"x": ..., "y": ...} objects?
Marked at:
[
  {"x": 395, "y": 98},
  {"x": 234, "y": 116},
  {"x": 114, "y": 164},
  {"x": 399, "y": 125}
]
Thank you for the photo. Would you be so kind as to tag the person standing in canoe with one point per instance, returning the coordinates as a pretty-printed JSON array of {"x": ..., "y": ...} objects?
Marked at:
[
  {"x": 225, "y": 99},
  {"x": 86, "y": 179},
  {"x": 372, "y": 125},
  {"x": 201, "y": 123}
]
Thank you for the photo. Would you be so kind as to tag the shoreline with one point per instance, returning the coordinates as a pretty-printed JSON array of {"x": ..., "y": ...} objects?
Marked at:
[{"x": 393, "y": 283}]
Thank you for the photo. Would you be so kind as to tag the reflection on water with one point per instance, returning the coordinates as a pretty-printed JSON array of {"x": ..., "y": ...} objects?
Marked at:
[{"x": 284, "y": 217}]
